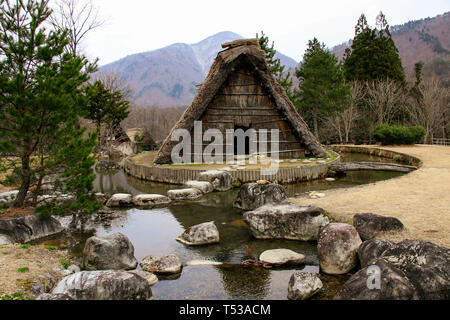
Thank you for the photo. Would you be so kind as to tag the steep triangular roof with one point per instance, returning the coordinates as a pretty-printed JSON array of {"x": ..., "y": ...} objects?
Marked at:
[{"x": 223, "y": 65}]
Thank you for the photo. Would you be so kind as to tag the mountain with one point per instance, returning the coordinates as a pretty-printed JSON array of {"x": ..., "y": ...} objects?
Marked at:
[
  {"x": 168, "y": 76},
  {"x": 426, "y": 40}
]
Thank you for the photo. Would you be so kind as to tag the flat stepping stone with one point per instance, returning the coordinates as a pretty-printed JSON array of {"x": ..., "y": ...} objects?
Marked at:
[
  {"x": 151, "y": 278},
  {"x": 150, "y": 200},
  {"x": 120, "y": 200},
  {"x": 201, "y": 234},
  {"x": 203, "y": 263},
  {"x": 169, "y": 264},
  {"x": 204, "y": 186},
  {"x": 303, "y": 285},
  {"x": 185, "y": 194},
  {"x": 279, "y": 257}
]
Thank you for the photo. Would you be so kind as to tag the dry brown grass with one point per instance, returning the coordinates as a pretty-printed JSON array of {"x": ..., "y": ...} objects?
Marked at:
[
  {"x": 421, "y": 199},
  {"x": 36, "y": 258}
]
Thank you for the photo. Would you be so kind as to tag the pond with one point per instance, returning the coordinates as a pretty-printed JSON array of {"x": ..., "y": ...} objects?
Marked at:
[{"x": 154, "y": 232}]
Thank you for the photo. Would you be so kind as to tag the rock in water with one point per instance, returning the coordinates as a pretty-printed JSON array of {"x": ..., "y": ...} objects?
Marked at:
[
  {"x": 185, "y": 194},
  {"x": 278, "y": 257},
  {"x": 169, "y": 264},
  {"x": 286, "y": 221},
  {"x": 205, "y": 233},
  {"x": 303, "y": 285},
  {"x": 370, "y": 225},
  {"x": 221, "y": 180},
  {"x": 151, "y": 278},
  {"x": 337, "y": 248},
  {"x": 114, "y": 252},
  {"x": 254, "y": 195},
  {"x": 28, "y": 228},
  {"x": 120, "y": 200},
  {"x": 203, "y": 186},
  {"x": 103, "y": 285},
  {"x": 151, "y": 200}
]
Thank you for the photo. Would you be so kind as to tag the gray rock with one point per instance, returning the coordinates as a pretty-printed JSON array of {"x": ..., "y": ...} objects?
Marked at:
[
  {"x": 120, "y": 200},
  {"x": 105, "y": 165},
  {"x": 278, "y": 257},
  {"x": 103, "y": 285},
  {"x": 204, "y": 186},
  {"x": 185, "y": 194},
  {"x": 370, "y": 251},
  {"x": 221, "y": 180},
  {"x": 74, "y": 269},
  {"x": 337, "y": 248},
  {"x": 370, "y": 225},
  {"x": 8, "y": 197},
  {"x": 303, "y": 285},
  {"x": 151, "y": 200},
  {"x": 286, "y": 221},
  {"x": 169, "y": 264},
  {"x": 412, "y": 269},
  {"x": 56, "y": 296},
  {"x": 28, "y": 228},
  {"x": 114, "y": 252},
  {"x": 151, "y": 278},
  {"x": 253, "y": 195},
  {"x": 205, "y": 233},
  {"x": 393, "y": 284},
  {"x": 101, "y": 197}
]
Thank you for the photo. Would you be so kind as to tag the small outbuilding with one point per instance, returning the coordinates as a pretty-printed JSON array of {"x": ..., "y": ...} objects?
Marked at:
[{"x": 240, "y": 92}]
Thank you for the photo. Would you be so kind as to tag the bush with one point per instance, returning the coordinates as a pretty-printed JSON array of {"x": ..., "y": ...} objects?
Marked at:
[{"x": 397, "y": 134}]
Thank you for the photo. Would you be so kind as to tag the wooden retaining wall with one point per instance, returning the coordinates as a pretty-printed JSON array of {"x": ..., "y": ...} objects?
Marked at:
[
  {"x": 401, "y": 157},
  {"x": 180, "y": 176}
]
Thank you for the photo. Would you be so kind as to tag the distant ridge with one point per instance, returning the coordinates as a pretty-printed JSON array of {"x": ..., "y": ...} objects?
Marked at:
[{"x": 167, "y": 76}]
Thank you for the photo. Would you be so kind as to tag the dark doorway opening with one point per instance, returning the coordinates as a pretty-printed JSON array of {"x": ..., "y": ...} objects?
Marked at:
[{"x": 240, "y": 135}]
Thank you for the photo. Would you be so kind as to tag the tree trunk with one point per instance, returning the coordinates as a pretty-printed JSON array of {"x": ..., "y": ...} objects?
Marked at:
[
  {"x": 26, "y": 180},
  {"x": 316, "y": 126}
]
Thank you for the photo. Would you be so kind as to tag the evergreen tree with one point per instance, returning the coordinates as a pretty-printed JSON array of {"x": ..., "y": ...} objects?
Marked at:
[
  {"x": 275, "y": 64},
  {"x": 41, "y": 98},
  {"x": 374, "y": 55},
  {"x": 322, "y": 89}
]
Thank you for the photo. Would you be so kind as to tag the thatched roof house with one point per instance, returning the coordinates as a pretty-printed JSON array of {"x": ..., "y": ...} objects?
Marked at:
[{"x": 240, "y": 92}]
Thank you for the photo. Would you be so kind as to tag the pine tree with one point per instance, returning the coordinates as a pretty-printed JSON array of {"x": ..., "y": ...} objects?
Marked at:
[
  {"x": 374, "y": 55},
  {"x": 322, "y": 89},
  {"x": 275, "y": 64},
  {"x": 41, "y": 98}
]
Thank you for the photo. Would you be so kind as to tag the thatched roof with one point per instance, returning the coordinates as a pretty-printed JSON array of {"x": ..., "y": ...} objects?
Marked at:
[{"x": 223, "y": 65}]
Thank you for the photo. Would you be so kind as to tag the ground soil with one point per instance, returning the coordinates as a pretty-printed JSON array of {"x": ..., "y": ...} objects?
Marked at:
[{"x": 421, "y": 199}]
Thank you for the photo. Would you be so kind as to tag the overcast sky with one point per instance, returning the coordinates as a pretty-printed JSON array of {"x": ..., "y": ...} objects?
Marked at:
[{"x": 135, "y": 26}]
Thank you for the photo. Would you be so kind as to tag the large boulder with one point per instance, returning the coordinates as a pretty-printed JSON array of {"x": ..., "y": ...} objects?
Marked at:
[
  {"x": 114, "y": 252},
  {"x": 205, "y": 233},
  {"x": 102, "y": 285},
  {"x": 28, "y": 228},
  {"x": 370, "y": 225},
  {"x": 411, "y": 269},
  {"x": 185, "y": 194},
  {"x": 163, "y": 265},
  {"x": 151, "y": 200},
  {"x": 278, "y": 257},
  {"x": 120, "y": 200},
  {"x": 337, "y": 248},
  {"x": 370, "y": 251},
  {"x": 254, "y": 195},
  {"x": 203, "y": 186},
  {"x": 221, "y": 180},
  {"x": 286, "y": 221},
  {"x": 303, "y": 285}
]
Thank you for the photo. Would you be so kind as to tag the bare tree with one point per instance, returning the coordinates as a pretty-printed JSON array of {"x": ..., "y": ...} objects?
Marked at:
[
  {"x": 114, "y": 82},
  {"x": 79, "y": 17},
  {"x": 430, "y": 111}
]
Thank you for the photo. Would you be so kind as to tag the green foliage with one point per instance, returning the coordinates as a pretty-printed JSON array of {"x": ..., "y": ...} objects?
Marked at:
[
  {"x": 41, "y": 95},
  {"x": 50, "y": 248},
  {"x": 23, "y": 270},
  {"x": 322, "y": 89},
  {"x": 275, "y": 64},
  {"x": 374, "y": 54},
  {"x": 64, "y": 263},
  {"x": 398, "y": 134},
  {"x": 25, "y": 246},
  {"x": 434, "y": 42},
  {"x": 15, "y": 296}
]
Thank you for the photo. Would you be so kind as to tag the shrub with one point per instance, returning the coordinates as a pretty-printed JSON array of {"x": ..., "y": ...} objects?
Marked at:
[
  {"x": 397, "y": 134},
  {"x": 23, "y": 270},
  {"x": 64, "y": 263}
]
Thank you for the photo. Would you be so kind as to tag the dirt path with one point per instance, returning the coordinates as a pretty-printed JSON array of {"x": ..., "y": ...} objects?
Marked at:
[{"x": 421, "y": 199}]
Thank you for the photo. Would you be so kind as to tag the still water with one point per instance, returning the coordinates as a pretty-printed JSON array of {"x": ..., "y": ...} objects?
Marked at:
[{"x": 154, "y": 232}]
